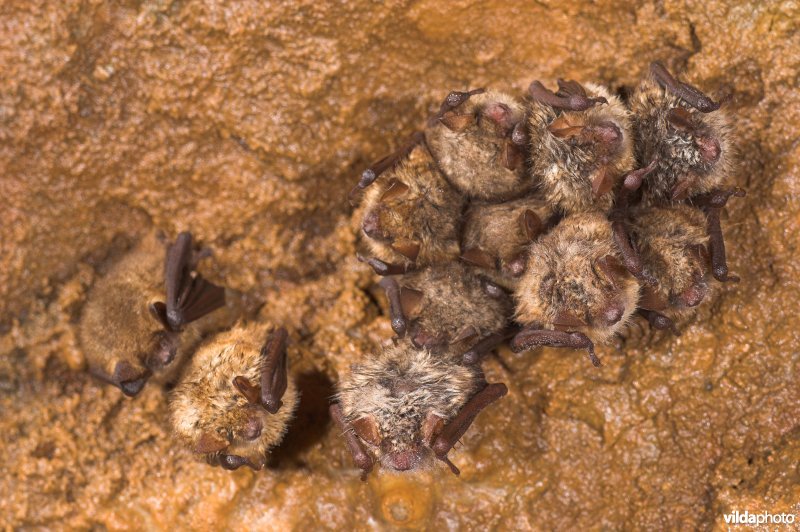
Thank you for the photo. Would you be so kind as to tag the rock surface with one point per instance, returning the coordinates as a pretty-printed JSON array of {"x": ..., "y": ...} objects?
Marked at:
[{"x": 248, "y": 123}]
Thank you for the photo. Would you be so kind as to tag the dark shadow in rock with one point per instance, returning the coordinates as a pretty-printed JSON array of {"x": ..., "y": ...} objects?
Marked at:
[{"x": 309, "y": 424}]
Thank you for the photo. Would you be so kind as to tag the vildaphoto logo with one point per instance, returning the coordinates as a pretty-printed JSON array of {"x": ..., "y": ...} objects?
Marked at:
[{"x": 764, "y": 518}]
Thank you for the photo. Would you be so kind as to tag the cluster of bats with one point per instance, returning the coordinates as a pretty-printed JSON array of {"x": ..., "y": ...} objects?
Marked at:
[{"x": 548, "y": 221}]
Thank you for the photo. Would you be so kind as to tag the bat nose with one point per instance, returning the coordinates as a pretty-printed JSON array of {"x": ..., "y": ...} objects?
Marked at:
[
  {"x": 372, "y": 225},
  {"x": 252, "y": 429},
  {"x": 709, "y": 148},
  {"x": 612, "y": 314},
  {"x": 693, "y": 296},
  {"x": 132, "y": 388},
  {"x": 607, "y": 132},
  {"x": 403, "y": 460},
  {"x": 500, "y": 114},
  {"x": 130, "y": 379}
]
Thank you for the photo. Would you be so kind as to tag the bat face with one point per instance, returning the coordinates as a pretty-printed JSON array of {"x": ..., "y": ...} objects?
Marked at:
[
  {"x": 397, "y": 403},
  {"x": 134, "y": 324},
  {"x": 478, "y": 141},
  {"x": 450, "y": 306},
  {"x": 673, "y": 245},
  {"x": 576, "y": 281},
  {"x": 411, "y": 213},
  {"x": 692, "y": 148},
  {"x": 220, "y": 407},
  {"x": 579, "y": 154},
  {"x": 496, "y": 236}
]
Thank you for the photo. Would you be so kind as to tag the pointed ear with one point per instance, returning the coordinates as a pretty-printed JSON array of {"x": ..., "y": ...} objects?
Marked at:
[
  {"x": 210, "y": 443},
  {"x": 407, "y": 248},
  {"x": 531, "y": 224},
  {"x": 250, "y": 392},
  {"x": 456, "y": 122},
  {"x": 567, "y": 319},
  {"x": 458, "y": 425},
  {"x": 568, "y": 87},
  {"x": 479, "y": 257},
  {"x": 513, "y": 156},
  {"x": 603, "y": 182},
  {"x": 189, "y": 296},
  {"x": 431, "y": 427},
  {"x": 680, "y": 119},
  {"x": 410, "y": 300},
  {"x": 395, "y": 189},
  {"x": 610, "y": 269},
  {"x": 651, "y": 300},
  {"x": 366, "y": 428},
  {"x": 700, "y": 257},
  {"x": 158, "y": 310},
  {"x": 681, "y": 189},
  {"x": 565, "y": 132},
  {"x": 363, "y": 460},
  {"x": 464, "y": 334}
]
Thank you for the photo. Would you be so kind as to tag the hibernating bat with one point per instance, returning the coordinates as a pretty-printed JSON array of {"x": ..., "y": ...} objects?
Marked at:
[
  {"x": 407, "y": 407},
  {"x": 575, "y": 290},
  {"x": 478, "y": 140},
  {"x": 235, "y": 399},
  {"x": 140, "y": 318},
  {"x": 580, "y": 145}
]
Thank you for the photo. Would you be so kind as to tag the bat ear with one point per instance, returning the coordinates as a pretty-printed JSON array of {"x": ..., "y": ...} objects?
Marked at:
[
  {"x": 366, "y": 428},
  {"x": 395, "y": 189},
  {"x": 158, "y": 310},
  {"x": 431, "y": 427},
  {"x": 651, "y": 300},
  {"x": 513, "y": 156},
  {"x": 567, "y": 319},
  {"x": 681, "y": 189},
  {"x": 603, "y": 182},
  {"x": 479, "y": 257},
  {"x": 680, "y": 119},
  {"x": 407, "y": 248},
  {"x": 189, "y": 296},
  {"x": 570, "y": 87},
  {"x": 610, "y": 269},
  {"x": 464, "y": 334},
  {"x": 410, "y": 300},
  {"x": 250, "y": 392},
  {"x": 531, "y": 224},
  {"x": 210, "y": 443},
  {"x": 363, "y": 460},
  {"x": 456, "y": 122}
]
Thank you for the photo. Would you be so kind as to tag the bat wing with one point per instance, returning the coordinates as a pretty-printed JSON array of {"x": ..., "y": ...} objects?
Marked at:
[{"x": 189, "y": 296}]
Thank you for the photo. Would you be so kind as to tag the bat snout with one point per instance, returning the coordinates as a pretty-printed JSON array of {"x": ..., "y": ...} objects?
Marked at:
[
  {"x": 709, "y": 148},
  {"x": 611, "y": 314}
]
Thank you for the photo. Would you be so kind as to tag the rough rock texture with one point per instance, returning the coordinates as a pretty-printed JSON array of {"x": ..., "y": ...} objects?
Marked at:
[{"x": 248, "y": 123}]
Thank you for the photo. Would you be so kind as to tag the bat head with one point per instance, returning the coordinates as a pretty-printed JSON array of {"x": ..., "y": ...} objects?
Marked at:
[
  {"x": 577, "y": 282},
  {"x": 398, "y": 403}
]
